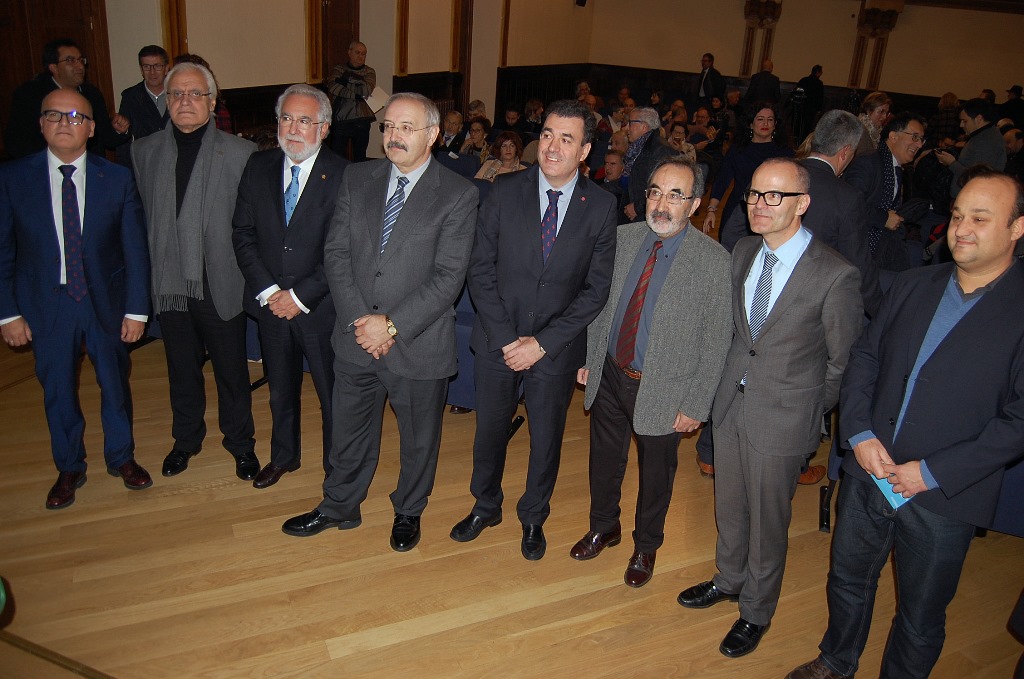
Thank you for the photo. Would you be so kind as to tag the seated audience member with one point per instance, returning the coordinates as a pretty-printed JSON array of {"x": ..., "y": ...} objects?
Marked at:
[
  {"x": 611, "y": 180},
  {"x": 657, "y": 102},
  {"x": 674, "y": 112},
  {"x": 475, "y": 109},
  {"x": 874, "y": 114},
  {"x": 677, "y": 140},
  {"x": 476, "y": 140},
  {"x": 591, "y": 101},
  {"x": 507, "y": 149},
  {"x": 1014, "y": 141},
  {"x": 988, "y": 95},
  {"x": 221, "y": 116},
  {"x": 646, "y": 149},
  {"x": 985, "y": 145},
  {"x": 582, "y": 89},
  {"x": 725, "y": 119},
  {"x": 534, "y": 116},
  {"x": 619, "y": 142},
  {"x": 452, "y": 137},
  {"x": 946, "y": 121}
]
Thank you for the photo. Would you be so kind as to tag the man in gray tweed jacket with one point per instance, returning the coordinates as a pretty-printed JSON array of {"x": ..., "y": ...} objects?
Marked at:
[{"x": 655, "y": 355}]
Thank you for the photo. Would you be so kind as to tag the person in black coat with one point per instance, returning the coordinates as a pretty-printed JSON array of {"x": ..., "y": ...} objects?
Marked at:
[
  {"x": 643, "y": 128},
  {"x": 144, "y": 104},
  {"x": 764, "y": 87}
]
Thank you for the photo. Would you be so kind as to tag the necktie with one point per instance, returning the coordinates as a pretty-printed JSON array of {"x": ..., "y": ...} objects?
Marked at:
[
  {"x": 72, "y": 236},
  {"x": 391, "y": 211},
  {"x": 898, "y": 199},
  {"x": 625, "y": 348},
  {"x": 759, "y": 307},
  {"x": 549, "y": 224},
  {"x": 291, "y": 195}
]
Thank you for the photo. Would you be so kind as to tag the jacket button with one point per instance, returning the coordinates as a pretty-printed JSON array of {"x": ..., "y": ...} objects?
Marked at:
[
  {"x": 753, "y": 353},
  {"x": 906, "y": 378},
  {"x": 892, "y": 421},
  {"x": 379, "y": 274},
  {"x": 542, "y": 284},
  {"x": 374, "y": 307},
  {"x": 530, "y": 314}
]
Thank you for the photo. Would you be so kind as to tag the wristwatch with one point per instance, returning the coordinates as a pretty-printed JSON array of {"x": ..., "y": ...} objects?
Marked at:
[{"x": 392, "y": 330}]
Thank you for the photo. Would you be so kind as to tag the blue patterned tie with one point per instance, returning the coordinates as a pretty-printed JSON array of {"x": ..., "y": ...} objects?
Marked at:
[
  {"x": 72, "y": 236},
  {"x": 549, "y": 224},
  {"x": 392, "y": 210},
  {"x": 291, "y": 195},
  {"x": 759, "y": 307}
]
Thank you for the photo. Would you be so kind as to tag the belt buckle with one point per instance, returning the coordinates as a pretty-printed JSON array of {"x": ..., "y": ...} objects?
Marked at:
[{"x": 631, "y": 374}]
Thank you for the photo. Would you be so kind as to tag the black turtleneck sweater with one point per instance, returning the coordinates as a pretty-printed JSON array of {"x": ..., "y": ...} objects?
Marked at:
[{"x": 188, "y": 144}]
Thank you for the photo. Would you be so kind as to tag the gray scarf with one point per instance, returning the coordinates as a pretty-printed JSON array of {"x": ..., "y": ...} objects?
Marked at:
[{"x": 178, "y": 254}]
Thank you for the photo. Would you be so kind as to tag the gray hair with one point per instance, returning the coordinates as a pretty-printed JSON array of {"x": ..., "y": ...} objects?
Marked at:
[
  {"x": 648, "y": 115},
  {"x": 835, "y": 130},
  {"x": 433, "y": 115},
  {"x": 683, "y": 162},
  {"x": 211, "y": 84},
  {"x": 303, "y": 90}
]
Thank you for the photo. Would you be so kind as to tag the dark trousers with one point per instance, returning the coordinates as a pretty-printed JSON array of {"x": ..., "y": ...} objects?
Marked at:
[
  {"x": 929, "y": 556},
  {"x": 358, "y": 134},
  {"x": 58, "y": 358},
  {"x": 358, "y": 407},
  {"x": 188, "y": 336},
  {"x": 497, "y": 397},
  {"x": 284, "y": 344},
  {"x": 611, "y": 426}
]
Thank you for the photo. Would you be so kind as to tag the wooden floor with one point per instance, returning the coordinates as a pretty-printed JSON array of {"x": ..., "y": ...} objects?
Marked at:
[{"x": 193, "y": 577}]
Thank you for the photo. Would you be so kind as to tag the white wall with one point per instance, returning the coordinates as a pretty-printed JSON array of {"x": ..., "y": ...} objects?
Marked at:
[
  {"x": 483, "y": 77},
  {"x": 131, "y": 24}
]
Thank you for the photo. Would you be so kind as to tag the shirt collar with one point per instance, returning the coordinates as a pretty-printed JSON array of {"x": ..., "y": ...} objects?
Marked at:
[
  {"x": 789, "y": 253},
  {"x": 306, "y": 165},
  {"x": 54, "y": 162},
  {"x": 566, "y": 190}
]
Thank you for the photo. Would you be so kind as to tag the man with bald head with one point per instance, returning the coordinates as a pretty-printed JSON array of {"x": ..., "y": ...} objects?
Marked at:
[{"x": 74, "y": 269}]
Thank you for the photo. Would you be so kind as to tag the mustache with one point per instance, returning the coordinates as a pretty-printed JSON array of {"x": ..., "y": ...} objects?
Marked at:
[
  {"x": 395, "y": 144},
  {"x": 660, "y": 214}
]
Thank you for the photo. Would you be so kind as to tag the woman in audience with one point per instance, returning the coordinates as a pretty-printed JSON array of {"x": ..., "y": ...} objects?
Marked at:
[
  {"x": 476, "y": 141},
  {"x": 506, "y": 151},
  {"x": 946, "y": 121},
  {"x": 874, "y": 114},
  {"x": 534, "y": 112},
  {"x": 762, "y": 141}
]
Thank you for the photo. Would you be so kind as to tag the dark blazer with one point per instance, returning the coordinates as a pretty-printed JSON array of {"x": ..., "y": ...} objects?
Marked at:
[
  {"x": 517, "y": 294},
  {"x": 291, "y": 256},
  {"x": 838, "y": 217},
  {"x": 654, "y": 149},
  {"x": 456, "y": 144},
  {"x": 114, "y": 250},
  {"x": 966, "y": 415},
  {"x": 420, "y": 274},
  {"x": 764, "y": 87},
  {"x": 138, "y": 107},
  {"x": 865, "y": 174},
  {"x": 714, "y": 86},
  {"x": 795, "y": 367}
]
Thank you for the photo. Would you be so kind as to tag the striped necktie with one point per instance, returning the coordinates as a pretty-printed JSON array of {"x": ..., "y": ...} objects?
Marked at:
[
  {"x": 391, "y": 211},
  {"x": 762, "y": 292}
]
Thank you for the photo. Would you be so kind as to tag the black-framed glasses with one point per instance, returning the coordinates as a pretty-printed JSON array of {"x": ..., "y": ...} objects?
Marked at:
[
  {"x": 178, "y": 95},
  {"x": 918, "y": 138},
  {"x": 771, "y": 198},
  {"x": 153, "y": 67},
  {"x": 404, "y": 128},
  {"x": 74, "y": 117},
  {"x": 71, "y": 61},
  {"x": 673, "y": 197},
  {"x": 302, "y": 123}
]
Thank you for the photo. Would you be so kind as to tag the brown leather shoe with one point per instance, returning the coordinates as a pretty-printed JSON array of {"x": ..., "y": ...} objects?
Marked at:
[
  {"x": 706, "y": 470},
  {"x": 640, "y": 569},
  {"x": 816, "y": 669},
  {"x": 133, "y": 475},
  {"x": 63, "y": 492},
  {"x": 812, "y": 475},
  {"x": 269, "y": 475},
  {"x": 592, "y": 544}
]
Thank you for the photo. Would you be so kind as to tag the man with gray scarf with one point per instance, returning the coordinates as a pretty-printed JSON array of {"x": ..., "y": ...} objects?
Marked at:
[{"x": 188, "y": 176}]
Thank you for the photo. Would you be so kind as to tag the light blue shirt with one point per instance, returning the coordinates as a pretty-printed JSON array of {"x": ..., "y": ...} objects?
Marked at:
[
  {"x": 413, "y": 178},
  {"x": 789, "y": 253},
  {"x": 563, "y": 200}
]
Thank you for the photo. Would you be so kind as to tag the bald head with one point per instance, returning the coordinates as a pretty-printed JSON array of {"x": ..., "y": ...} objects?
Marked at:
[{"x": 66, "y": 136}]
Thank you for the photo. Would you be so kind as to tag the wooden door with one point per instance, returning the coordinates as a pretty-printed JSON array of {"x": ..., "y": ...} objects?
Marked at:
[{"x": 340, "y": 28}]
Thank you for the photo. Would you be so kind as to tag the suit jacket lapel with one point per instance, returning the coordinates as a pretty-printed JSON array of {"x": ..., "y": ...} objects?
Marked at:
[
  {"x": 573, "y": 219},
  {"x": 312, "y": 192},
  {"x": 794, "y": 288},
  {"x": 42, "y": 170},
  {"x": 276, "y": 193},
  {"x": 739, "y": 309},
  {"x": 95, "y": 182},
  {"x": 373, "y": 195},
  {"x": 211, "y": 194},
  {"x": 531, "y": 218}
]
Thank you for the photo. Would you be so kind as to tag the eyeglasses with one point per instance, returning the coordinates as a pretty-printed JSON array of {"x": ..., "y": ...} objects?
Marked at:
[
  {"x": 638, "y": 122},
  {"x": 71, "y": 61},
  {"x": 178, "y": 95},
  {"x": 914, "y": 135},
  {"x": 673, "y": 197},
  {"x": 771, "y": 198},
  {"x": 404, "y": 128},
  {"x": 74, "y": 117},
  {"x": 153, "y": 67},
  {"x": 302, "y": 123}
]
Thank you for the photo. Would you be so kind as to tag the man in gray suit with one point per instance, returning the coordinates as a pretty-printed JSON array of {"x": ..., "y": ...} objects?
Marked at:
[
  {"x": 395, "y": 258},
  {"x": 796, "y": 311},
  {"x": 654, "y": 358},
  {"x": 188, "y": 176}
]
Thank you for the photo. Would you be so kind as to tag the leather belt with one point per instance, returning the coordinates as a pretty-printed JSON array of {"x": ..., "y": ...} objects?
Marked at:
[{"x": 630, "y": 373}]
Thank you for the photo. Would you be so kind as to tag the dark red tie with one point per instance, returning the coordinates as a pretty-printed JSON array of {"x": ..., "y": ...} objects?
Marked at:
[
  {"x": 72, "y": 236},
  {"x": 626, "y": 346},
  {"x": 549, "y": 225}
]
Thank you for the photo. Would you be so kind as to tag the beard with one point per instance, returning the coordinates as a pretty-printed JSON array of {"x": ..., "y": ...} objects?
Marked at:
[{"x": 305, "y": 151}]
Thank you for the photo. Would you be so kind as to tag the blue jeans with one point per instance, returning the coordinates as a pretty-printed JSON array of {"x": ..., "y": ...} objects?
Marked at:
[{"x": 929, "y": 556}]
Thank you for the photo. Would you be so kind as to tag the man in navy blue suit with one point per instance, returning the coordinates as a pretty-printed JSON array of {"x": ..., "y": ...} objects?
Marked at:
[{"x": 74, "y": 268}]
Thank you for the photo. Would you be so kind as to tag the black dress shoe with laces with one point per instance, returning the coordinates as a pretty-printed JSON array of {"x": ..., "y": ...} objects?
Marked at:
[
  {"x": 471, "y": 527},
  {"x": 405, "y": 534},
  {"x": 534, "y": 544},
  {"x": 704, "y": 595},
  {"x": 247, "y": 466},
  {"x": 742, "y": 639},
  {"x": 311, "y": 523},
  {"x": 176, "y": 462}
]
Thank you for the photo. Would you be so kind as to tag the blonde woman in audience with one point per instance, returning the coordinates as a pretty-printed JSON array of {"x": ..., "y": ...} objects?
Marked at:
[
  {"x": 874, "y": 114},
  {"x": 506, "y": 149}
]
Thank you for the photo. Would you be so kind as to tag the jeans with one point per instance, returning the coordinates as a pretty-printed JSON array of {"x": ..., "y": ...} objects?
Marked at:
[{"x": 929, "y": 556}]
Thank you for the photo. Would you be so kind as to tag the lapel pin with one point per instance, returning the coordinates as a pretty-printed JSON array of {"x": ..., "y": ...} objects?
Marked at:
[
  {"x": 323, "y": 176},
  {"x": 583, "y": 198}
]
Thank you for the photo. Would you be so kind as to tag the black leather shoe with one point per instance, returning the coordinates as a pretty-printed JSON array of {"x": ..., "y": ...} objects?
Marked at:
[
  {"x": 592, "y": 544},
  {"x": 405, "y": 534},
  {"x": 176, "y": 462},
  {"x": 471, "y": 527},
  {"x": 269, "y": 475},
  {"x": 534, "y": 544},
  {"x": 247, "y": 466},
  {"x": 704, "y": 595},
  {"x": 640, "y": 569},
  {"x": 742, "y": 639},
  {"x": 314, "y": 522}
]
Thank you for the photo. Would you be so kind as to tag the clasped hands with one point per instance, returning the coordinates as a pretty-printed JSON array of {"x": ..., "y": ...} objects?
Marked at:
[
  {"x": 905, "y": 478},
  {"x": 522, "y": 354},
  {"x": 283, "y": 305},
  {"x": 371, "y": 332}
]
